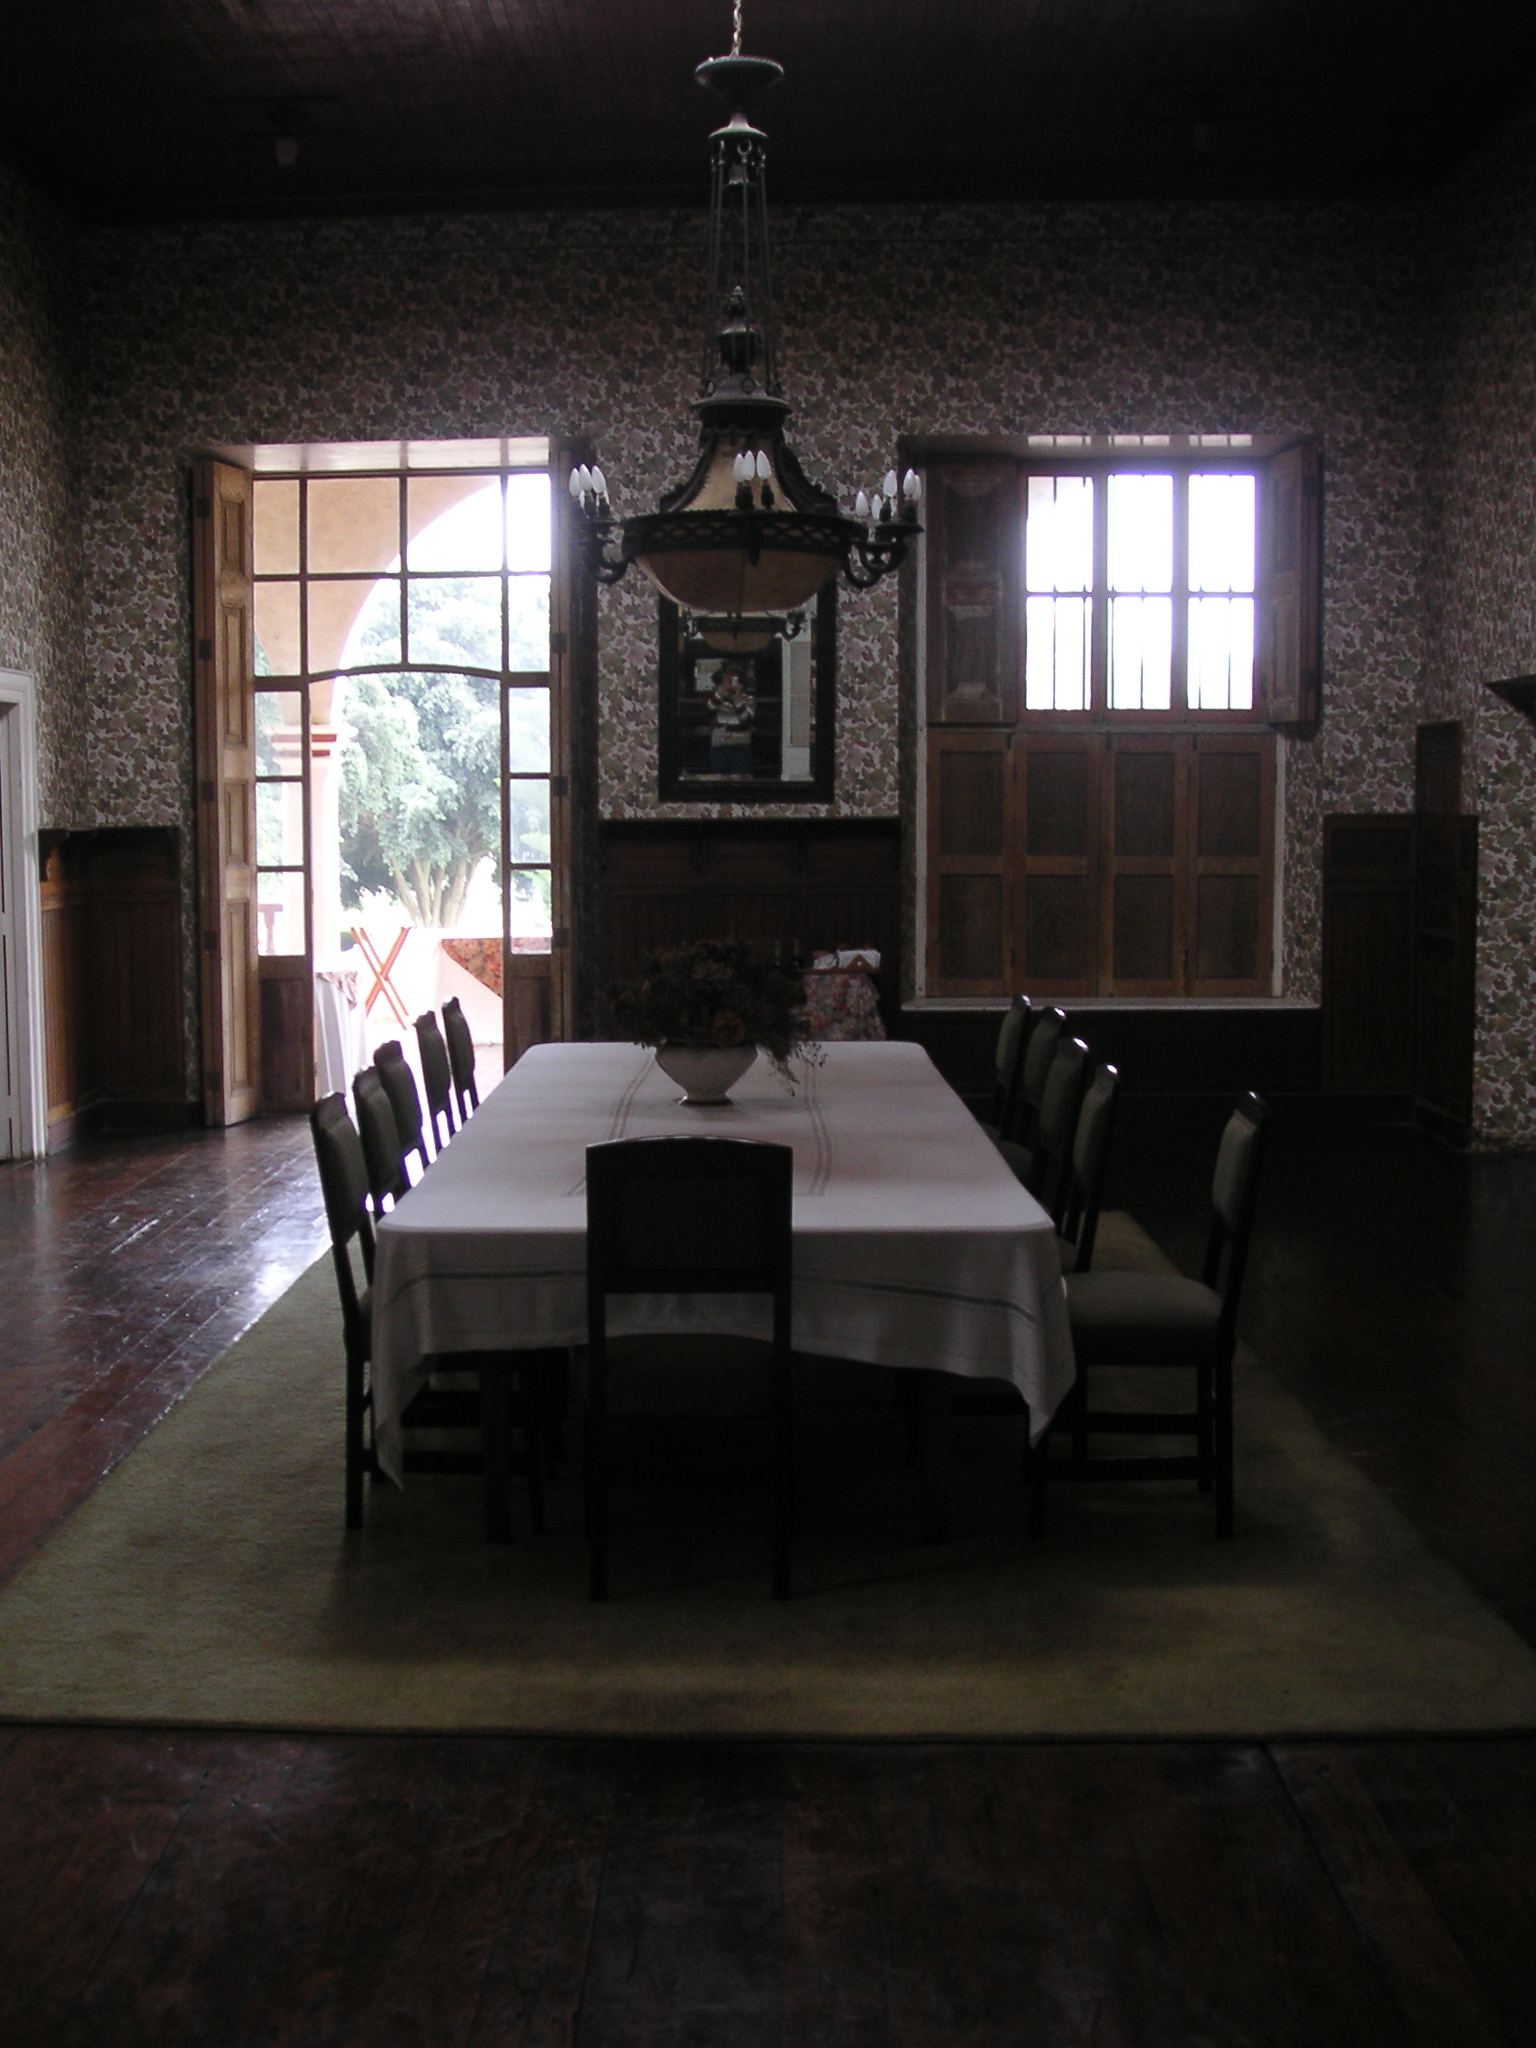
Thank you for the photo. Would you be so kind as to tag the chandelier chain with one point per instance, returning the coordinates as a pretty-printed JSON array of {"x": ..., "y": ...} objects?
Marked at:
[{"x": 736, "y": 30}]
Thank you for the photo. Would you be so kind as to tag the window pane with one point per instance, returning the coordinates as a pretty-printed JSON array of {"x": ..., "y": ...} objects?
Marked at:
[
  {"x": 277, "y": 629},
  {"x": 528, "y": 624},
  {"x": 528, "y": 731},
  {"x": 1141, "y": 533},
  {"x": 528, "y": 820},
  {"x": 1221, "y": 653},
  {"x": 528, "y": 521},
  {"x": 454, "y": 621},
  {"x": 455, "y": 521},
  {"x": 279, "y": 732},
  {"x": 1140, "y": 652},
  {"x": 275, "y": 526},
  {"x": 280, "y": 824},
  {"x": 280, "y": 912},
  {"x": 1056, "y": 641},
  {"x": 352, "y": 624},
  {"x": 1058, "y": 533},
  {"x": 528, "y": 909},
  {"x": 354, "y": 524},
  {"x": 1220, "y": 533}
]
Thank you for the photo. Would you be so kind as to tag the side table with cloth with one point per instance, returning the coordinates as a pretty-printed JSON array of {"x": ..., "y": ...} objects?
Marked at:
[
  {"x": 914, "y": 1245},
  {"x": 340, "y": 1031}
]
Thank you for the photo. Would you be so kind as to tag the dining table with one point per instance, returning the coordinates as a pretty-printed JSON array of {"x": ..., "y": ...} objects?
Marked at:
[{"x": 915, "y": 1247}]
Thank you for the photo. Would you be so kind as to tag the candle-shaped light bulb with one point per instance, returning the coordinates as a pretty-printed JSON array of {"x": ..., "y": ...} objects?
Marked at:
[
  {"x": 575, "y": 483},
  {"x": 741, "y": 467},
  {"x": 599, "y": 483},
  {"x": 861, "y": 505},
  {"x": 911, "y": 487},
  {"x": 888, "y": 488},
  {"x": 764, "y": 467},
  {"x": 586, "y": 477}
]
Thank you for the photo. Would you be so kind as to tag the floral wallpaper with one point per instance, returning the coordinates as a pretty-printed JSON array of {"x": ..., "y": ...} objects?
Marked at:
[
  {"x": 961, "y": 320},
  {"x": 38, "y": 558},
  {"x": 1336, "y": 320},
  {"x": 1481, "y": 588}
]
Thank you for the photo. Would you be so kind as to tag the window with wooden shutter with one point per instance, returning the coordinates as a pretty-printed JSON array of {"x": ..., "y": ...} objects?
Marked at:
[
  {"x": 973, "y": 593},
  {"x": 1114, "y": 635}
]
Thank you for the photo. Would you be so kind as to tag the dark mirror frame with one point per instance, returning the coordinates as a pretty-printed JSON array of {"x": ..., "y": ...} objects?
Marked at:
[{"x": 675, "y": 670}]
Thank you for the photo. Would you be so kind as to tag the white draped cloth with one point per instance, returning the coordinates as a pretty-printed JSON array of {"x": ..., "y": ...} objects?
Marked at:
[
  {"x": 913, "y": 1243},
  {"x": 340, "y": 1030}
]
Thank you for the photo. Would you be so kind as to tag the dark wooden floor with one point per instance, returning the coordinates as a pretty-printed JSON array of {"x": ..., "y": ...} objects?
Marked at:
[{"x": 164, "y": 1887}]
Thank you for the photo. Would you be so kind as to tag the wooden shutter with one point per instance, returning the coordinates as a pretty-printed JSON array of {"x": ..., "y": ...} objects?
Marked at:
[
  {"x": 975, "y": 549},
  {"x": 1230, "y": 888},
  {"x": 969, "y": 888},
  {"x": 1056, "y": 862},
  {"x": 1288, "y": 647},
  {"x": 1145, "y": 834},
  {"x": 226, "y": 790},
  {"x": 1369, "y": 865}
]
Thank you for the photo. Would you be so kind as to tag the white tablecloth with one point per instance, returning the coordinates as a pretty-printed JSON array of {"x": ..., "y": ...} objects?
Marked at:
[{"x": 914, "y": 1245}]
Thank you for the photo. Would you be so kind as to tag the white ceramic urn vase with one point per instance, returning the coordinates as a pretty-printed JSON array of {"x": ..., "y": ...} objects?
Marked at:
[{"x": 705, "y": 1073}]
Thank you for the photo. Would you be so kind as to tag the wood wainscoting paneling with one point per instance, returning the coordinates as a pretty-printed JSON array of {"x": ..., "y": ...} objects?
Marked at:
[
  {"x": 112, "y": 980},
  {"x": 805, "y": 884}
]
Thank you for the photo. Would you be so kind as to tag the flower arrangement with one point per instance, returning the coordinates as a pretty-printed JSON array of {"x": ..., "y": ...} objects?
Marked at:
[{"x": 714, "y": 992}]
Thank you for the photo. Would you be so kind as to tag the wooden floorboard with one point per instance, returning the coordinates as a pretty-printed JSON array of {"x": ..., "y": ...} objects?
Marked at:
[{"x": 167, "y": 1887}]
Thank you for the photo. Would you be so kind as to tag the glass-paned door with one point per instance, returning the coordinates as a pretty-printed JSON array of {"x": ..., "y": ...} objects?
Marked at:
[{"x": 405, "y": 849}]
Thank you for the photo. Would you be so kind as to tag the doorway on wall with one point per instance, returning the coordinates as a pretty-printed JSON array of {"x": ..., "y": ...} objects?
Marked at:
[{"x": 408, "y": 741}]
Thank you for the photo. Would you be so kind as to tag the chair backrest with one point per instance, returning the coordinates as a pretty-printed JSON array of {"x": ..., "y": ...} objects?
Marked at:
[
  {"x": 404, "y": 1100},
  {"x": 461, "y": 1056},
  {"x": 1046, "y": 1027},
  {"x": 437, "y": 1074},
  {"x": 380, "y": 1139},
  {"x": 1012, "y": 1034},
  {"x": 1056, "y": 1125},
  {"x": 1089, "y": 1164},
  {"x": 688, "y": 1216},
  {"x": 1234, "y": 1192},
  {"x": 344, "y": 1184}
]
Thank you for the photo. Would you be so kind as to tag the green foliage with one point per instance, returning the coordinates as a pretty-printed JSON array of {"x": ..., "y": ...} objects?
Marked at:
[
  {"x": 420, "y": 805},
  {"x": 714, "y": 992},
  {"x": 420, "y": 798}
]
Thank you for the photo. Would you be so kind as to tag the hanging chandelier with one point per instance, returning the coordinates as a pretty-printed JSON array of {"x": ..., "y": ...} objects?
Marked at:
[{"x": 747, "y": 537}]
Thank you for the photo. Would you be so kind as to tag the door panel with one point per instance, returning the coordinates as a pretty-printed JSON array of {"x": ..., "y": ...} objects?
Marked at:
[{"x": 225, "y": 663}]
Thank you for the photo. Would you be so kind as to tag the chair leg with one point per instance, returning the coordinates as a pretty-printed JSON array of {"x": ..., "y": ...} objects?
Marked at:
[
  {"x": 356, "y": 1401},
  {"x": 1206, "y": 1445},
  {"x": 496, "y": 1447},
  {"x": 1037, "y": 1466},
  {"x": 557, "y": 1404},
  {"x": 936, "y": 1401},
  {"x": 1224, "y": 1446},
  {"x": 534, "y": 1374},
  {"x": 595, "y": 1475},
  {"x": 783, "y": 1475},
  {"x": 1076, "y": 1404}
]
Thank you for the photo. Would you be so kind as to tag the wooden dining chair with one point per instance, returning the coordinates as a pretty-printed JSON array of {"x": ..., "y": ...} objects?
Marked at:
[
  {"x": 1082, "y": 1193},
  {"x": 1045, "y": 1029},
  {"x": 1042, "y": 1166},
  {"x": 344, "y": 1184},
  {"x": 437, "y": 1076},
  {"x": 688, "y": 1216},
  {"x": 404, "y": 1099},
  {"x": 379, "y": 1135},
  {"x": 1008, "y": 1069},
  {"x": 511, "y": 1387},
  {"x": 1163, "y": 1319},
  {"x": 461, "y": 1057}
]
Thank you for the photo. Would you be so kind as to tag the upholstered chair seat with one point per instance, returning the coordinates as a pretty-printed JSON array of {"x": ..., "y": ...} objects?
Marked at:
[{"x": 1141, "y": 1318}]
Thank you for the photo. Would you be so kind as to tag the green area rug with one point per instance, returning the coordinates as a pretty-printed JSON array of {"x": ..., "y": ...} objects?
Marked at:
[{"x": 210, "y": 1581}]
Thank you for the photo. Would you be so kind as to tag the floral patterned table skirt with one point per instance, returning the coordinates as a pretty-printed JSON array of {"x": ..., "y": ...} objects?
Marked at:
[{"x": 841, "y": 1006}]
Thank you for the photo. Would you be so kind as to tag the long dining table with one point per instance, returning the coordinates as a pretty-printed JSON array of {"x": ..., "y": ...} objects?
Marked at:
[{"x": 914, "y": 1245}]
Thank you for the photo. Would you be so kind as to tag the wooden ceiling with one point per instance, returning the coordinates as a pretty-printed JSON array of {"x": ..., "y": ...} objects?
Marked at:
[{"x": 164, "y": 108}]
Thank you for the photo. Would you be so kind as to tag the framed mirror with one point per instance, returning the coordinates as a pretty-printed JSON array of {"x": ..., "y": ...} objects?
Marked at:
[{"x": 747, "y": 706}]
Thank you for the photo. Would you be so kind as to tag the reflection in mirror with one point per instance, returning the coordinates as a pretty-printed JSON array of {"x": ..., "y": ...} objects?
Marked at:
[{"x": 746, "y": 705}]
